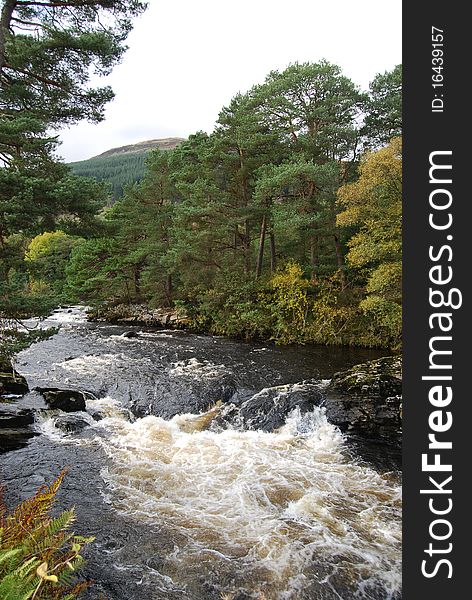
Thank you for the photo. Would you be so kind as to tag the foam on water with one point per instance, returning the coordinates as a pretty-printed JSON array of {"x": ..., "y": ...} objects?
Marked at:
[
  {"x": 72, "y": 316},
  {"x": 196, "y": 369},
  {"x": 275, "y": 502},
  {"x": 288, "y": 514},
  {"x": 91, "y": 364}
]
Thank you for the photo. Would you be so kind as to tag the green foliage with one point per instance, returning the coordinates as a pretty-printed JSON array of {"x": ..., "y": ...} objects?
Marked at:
[
  {"x": 289, "y": 303},
  {"x": 314, "y": 107},
  {"x": 48, "y": 53},
  {"x": 39, "y": 556},
  {"x": 287, "y": 309},
  {"x": 384, "y": 108},
  {"x": 88, "y": 273},
  {"x": 374, "y": 204},
  {"x": 47, "y": 257},
  {"x": 119, "y": 171},
  {"x": 242, "y": 227},
  {"x": 47, "y": 198},
  {"x": 236, "y": 309}
]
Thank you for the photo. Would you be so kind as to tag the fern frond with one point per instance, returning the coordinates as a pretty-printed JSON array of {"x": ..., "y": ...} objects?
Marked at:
[
  {"x": 38, "y": 553},
  {"x": 30, "y": 513},
  {"x": 8, "y": 554}
]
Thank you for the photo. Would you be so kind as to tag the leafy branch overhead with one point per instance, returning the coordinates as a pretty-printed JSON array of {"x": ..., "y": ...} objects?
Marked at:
[{"x": 48, "y": 52}]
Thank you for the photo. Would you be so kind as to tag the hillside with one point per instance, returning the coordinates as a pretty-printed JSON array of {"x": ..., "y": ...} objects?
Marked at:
[
  {"x": 140, "y": 147},
  {"x": 123, "y": 165}
]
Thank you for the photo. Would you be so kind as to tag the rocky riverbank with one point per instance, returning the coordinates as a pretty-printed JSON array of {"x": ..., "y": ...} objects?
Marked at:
[
  {"x": 367, "y": 399},
  {"x": 11, "y": 382},
  {"x": 139, "y": 314},
  {"x": 15, "y": 419}
]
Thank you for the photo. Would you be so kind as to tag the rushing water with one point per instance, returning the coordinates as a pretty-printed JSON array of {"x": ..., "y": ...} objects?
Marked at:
[{"x": 184, "y": 508}]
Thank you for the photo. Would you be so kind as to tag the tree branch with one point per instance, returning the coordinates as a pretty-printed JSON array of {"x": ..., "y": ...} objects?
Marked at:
[{"x": 35, "y": 76}]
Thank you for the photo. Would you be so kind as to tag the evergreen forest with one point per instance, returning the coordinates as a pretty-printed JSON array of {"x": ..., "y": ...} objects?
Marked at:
[{"x": 282, "y": 224}]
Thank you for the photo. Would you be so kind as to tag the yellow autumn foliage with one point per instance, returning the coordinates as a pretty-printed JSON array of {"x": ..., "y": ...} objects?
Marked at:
[{"x": 374, "y": 204}]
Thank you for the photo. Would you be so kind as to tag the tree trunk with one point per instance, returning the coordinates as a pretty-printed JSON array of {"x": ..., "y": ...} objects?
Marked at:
[
  {"x": 340, "y": 260},
  {"x": 260, "y": 254},
  {"x": 247, "y": 247},
  {"x": 137, "y": 281},
  {"x": 169, "y": 289},
  {"x": 313, "y": 255},
  {"x": 5, "y": 20},
  {"x": 273, "y": 257}
]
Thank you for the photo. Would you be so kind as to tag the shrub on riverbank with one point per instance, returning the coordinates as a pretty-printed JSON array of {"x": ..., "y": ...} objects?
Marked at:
[{"x": 285, "y": 309}]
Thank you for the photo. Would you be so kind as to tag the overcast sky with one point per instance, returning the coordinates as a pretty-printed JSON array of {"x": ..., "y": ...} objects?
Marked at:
[{"x": 188, "y": 58}]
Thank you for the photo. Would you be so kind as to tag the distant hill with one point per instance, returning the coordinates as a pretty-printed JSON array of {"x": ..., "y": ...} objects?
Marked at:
[{"x": 122, "y": 166}]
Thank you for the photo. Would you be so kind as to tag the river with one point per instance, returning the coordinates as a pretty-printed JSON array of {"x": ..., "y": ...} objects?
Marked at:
[{"x": 186, "y": 506}]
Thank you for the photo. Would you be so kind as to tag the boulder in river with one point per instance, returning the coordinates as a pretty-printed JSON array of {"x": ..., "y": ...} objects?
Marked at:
[
  {"x": 65, "y": 400},
  {"x": 11, "y": 382},
  {"x": 96, "y": 414},
  {"x": 14, "y": 438},
  {"x": 268, "y": 409},
  {"x": 15, "y": 424},
  {"x": 12, "y": 416},
  {"x": 366, "y": 399},
  {"x": 70, "y": 423},
  {"x": 178, "y": 395}
]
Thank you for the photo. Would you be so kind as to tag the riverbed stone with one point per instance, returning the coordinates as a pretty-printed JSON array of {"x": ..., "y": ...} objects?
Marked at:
[
  {"x": 178, "y": 397},
  {"x": 65, "y": 400},
  {"x": 70, "y": 423},
  {"x": 15, "y": 438},
  {"x": 12, "y": 416},
  {"x": 96, "y": 414},
  {"x": 366, "y": 399},
  {"x": 11, "y": 382},
  {"x": 268, "y": 409}
]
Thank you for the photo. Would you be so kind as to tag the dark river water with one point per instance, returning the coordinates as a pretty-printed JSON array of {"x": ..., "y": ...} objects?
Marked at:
[{"x": 183, "y": 508}]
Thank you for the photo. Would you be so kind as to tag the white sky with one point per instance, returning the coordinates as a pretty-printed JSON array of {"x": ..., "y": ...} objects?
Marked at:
[{"x": 188, "y": 58}]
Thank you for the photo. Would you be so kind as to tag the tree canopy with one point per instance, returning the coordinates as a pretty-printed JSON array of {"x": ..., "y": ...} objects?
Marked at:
[
  {"x": 373, "y": 203},
  {"x": 48, "y": 51},
  {"x": 243, "y": 227}
]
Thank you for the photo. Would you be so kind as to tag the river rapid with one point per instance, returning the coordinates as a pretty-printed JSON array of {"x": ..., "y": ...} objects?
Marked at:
[{"x": 187, "y": 506}]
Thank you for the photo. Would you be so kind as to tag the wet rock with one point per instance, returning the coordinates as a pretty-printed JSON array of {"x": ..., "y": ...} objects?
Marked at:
[
  {"x": 12, "y": 416},
  {"x": 138, "y": 314},
  {"x": 130, "y": 334},
  {"x": 15, "y": 421},
  {"x": 381, "y": 377},
  {"x": 65, "y": 400},
  {"x": 15, "y": 438},
  {"x": 176, "y": 396},
  {"x": 366, "y": 399},
  {"x": 11, "y": 382},
  {"x": 71, "y": 423},
  {"x": 96, "y": 414},
  {"x": 268, "y": 409}
]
